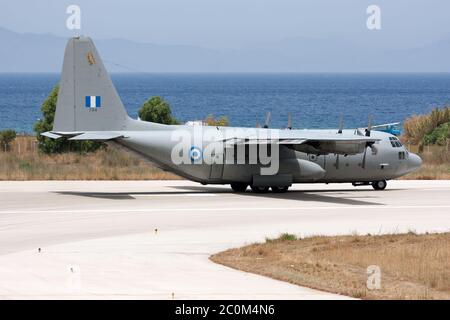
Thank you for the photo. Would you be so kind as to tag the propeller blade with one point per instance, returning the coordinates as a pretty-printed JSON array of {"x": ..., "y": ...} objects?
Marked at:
[
  {"x": 341, "y": 123},
  {"x": 289, "y": 126},
  {"x": 369, "y": 126},
  {"x": 373, "y": 149},
  {"x": 364, "y": 158},
  {"x": 266, "y": 124},
  {"x": 359, "y": 132}
]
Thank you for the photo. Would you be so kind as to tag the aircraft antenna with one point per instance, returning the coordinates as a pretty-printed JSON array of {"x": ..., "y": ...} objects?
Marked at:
[
  {"x": 341, "y": 123},
  {"x": 267, "y": 123},
  {"x": 369, "y": 126}
]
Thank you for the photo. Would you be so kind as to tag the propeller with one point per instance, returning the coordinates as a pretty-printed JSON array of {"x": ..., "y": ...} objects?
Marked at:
[
  {"x": 289, "y": 126},
  {"x": 266, "y": 124},
  {"x": 369, "y": 126},
  {"x": 341, "y": 123},
  {"x": 372, "y": 148}
]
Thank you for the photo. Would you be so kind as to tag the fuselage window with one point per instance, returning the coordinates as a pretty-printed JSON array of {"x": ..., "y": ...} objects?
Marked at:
[
  {"x": 395, "y": 143},
  {"x": 401, "y": 155}
]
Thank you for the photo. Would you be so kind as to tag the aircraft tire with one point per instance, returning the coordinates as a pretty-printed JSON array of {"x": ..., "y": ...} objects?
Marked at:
[
  {"x": 379, "y": 185},
  {"x": 238, "y": 186},
  {"x": 259, "y": 189},
  {"x": 279, "y": 189}
]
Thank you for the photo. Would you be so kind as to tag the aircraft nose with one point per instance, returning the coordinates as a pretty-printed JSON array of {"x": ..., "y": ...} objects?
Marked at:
[{"x": 414, "y": 162}]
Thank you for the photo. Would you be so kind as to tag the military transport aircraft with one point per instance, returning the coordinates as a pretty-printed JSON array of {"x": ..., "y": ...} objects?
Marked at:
[{"x": 89, "y": 108}]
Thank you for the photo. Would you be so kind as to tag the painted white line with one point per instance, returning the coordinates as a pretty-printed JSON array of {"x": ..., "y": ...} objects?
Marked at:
[
  {"x": 175, "y": 195},
  {"x": 147, "y": 210}
]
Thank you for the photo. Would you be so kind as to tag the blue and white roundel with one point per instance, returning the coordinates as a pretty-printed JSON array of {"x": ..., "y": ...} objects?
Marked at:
[{"x": 195, "y": 153}]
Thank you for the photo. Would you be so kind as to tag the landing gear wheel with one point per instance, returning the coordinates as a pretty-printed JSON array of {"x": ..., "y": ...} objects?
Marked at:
[
  {"x": 279, "y": 189},
  {"x": 379, "y": 185},
  {"x": 259, "y": 189},
  {"x": 238, "y": 186}
]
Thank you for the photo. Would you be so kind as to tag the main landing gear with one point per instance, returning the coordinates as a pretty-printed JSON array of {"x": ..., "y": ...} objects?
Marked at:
[{"x": 241, "y": 187}]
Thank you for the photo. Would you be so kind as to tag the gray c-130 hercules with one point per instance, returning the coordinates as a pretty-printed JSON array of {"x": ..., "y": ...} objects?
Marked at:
[{"x": 89, "y": 108}]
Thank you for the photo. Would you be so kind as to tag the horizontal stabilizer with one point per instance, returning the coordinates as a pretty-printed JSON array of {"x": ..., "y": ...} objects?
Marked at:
[
  {"x": 384, "y": 125},
  {"x": 88, "y": 135},
  {"x": 98, "y": 135},
  {"x": 51, "y": 135}
]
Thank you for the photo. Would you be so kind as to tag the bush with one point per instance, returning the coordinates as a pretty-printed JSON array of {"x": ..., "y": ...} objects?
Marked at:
[
  {"x": 283, "y": 237},
  {"x": 287, "y": 237},
  {"x": 6, "y": 137},
  {"x": 221, "y": 122},
  {"x": 438, "y": 136},
  {"x": 47, "y": 145},
  {"x": 417, "y": 127},
  {"x": 157, "y": 110}
]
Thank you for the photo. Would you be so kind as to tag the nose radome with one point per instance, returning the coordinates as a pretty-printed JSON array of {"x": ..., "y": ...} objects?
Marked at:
[{"x": 414, "y": 161}]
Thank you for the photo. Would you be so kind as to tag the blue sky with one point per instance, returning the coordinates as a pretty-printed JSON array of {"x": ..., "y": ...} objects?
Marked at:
[{"x": 236, "y": 23}]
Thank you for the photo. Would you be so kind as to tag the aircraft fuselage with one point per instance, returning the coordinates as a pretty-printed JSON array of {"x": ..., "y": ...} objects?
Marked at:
[{"x": 383, "y": 162}]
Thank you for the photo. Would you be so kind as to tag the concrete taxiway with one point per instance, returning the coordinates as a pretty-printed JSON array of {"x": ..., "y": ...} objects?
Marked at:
[{"x": 152, "y": 239}]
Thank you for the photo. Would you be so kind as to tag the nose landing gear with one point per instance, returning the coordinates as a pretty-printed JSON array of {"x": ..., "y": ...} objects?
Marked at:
[{"x": 379, "y": 185}]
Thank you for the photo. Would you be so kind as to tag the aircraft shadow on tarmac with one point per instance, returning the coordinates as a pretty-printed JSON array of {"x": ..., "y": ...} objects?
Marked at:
[
  {"x": 124, "y": 195},
  {"x": 300, "y": 195}
]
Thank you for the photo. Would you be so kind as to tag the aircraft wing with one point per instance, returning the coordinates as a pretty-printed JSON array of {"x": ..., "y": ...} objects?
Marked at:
[
  {"x": 384, "y": 125},
  {"x": 87, "y": 135},
  {"x": 310, "y": 142}
]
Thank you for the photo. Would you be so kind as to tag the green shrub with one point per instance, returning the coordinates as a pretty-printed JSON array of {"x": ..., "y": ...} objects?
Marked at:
[
  {"x": 6, "y": 137},
  {"x": 157, "y": 110},
  {"x": 438, "y": 136},
  {"x": 220, "y": 122},
  {"x": 418, "y": 126},
  {"x": 287, "y": 237},
  {"x": 47, "y": 145},
  {"x": 283, "y": 237}
]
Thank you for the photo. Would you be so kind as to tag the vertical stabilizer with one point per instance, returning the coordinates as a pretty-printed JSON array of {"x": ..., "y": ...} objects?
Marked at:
[{"x": 87, "y": 99}]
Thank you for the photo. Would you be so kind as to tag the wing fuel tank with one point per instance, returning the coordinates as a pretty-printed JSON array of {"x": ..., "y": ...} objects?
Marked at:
[
  {"x": 303, "y": 170},
  {"x": 310, "y": 170}
]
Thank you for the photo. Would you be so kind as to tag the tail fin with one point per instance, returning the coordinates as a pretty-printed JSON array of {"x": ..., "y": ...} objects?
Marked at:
[{"x": 87, "y": 99}]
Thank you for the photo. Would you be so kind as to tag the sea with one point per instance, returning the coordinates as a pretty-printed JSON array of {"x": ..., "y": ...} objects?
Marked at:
[{"x": 314, "y": 100}]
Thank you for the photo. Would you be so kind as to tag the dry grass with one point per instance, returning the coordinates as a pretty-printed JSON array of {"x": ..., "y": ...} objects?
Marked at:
[
  {"x": 436, "y": 164},
  {"x": 23, "y": 162},
  {"x": 412, "y": 266},
  {"x": 430, "y": 172},
  {"x": 417, "y": 126}
]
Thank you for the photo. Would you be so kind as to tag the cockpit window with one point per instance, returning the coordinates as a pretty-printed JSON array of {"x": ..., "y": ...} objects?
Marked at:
[{"x": 395, "y": 143}]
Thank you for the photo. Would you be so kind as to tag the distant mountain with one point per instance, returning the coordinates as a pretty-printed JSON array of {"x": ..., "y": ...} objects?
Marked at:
[{"x": 26, "y": 52}]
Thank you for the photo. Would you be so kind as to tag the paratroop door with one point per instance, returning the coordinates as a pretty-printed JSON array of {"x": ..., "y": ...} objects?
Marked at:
[{"x": 217, "y": 166}]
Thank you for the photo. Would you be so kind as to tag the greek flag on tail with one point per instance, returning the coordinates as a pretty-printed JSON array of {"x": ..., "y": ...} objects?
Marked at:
[{"x": 93, "y": 102}]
